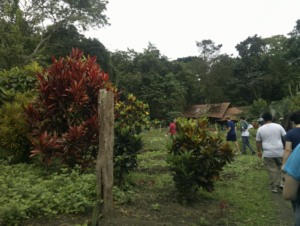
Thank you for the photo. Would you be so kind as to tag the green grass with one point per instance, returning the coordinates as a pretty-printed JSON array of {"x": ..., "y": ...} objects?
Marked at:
[
  {"x": 32, "y": 191},
  {"x": 245, "y": 187},
  {"x": 246, "y": 192}
]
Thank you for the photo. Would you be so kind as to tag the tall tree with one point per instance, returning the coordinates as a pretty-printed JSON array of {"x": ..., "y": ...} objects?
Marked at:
[
  {"x": 153, "y": 78},
  {"x": 253, "y": 65},
  {"x": 66, "y": 37},
  {"x": 36, "y": 13},
  {"x": 214, "y": 71}
]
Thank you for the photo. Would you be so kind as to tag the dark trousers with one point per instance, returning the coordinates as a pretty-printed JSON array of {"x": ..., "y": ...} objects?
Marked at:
[{"x": 246, "y": 143}]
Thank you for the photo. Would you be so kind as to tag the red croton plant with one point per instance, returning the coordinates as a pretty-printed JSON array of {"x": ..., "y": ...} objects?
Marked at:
[{"x": 64, "y": 116}]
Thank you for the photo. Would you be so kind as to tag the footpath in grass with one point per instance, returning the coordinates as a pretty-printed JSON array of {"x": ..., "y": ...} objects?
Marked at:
[{"x": 150, "y": 197}]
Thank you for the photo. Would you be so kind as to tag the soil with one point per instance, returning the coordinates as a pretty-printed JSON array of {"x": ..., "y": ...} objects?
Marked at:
[
  {"x": 286, "y": 210},
  {"x": 140, "y": 211}
]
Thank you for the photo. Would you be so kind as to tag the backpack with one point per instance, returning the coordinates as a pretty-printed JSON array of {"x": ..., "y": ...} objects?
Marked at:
[{"x": 246, "y": 125}]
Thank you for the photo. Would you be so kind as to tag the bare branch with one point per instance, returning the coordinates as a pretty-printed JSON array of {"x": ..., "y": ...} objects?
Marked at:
[{"x": 45, "y": 39}]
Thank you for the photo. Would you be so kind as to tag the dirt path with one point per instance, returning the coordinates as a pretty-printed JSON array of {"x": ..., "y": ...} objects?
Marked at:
[{"x": 286, "y": 215}]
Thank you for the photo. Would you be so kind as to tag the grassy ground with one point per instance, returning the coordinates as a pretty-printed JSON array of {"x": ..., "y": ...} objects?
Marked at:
[{"x": 244, "y": 187}]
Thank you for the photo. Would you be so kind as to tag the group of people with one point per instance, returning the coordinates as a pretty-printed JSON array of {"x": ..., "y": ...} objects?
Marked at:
[
  {"x": 244, "y": 129},
  {"x": 281, "y": 153}
]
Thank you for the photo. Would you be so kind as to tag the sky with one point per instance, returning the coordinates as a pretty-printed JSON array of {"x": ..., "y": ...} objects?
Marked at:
[{"x": 174, "y": 26}]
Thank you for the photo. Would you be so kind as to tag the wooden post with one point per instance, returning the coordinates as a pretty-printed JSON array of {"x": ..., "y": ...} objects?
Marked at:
[{"x": 105, "y": 153}]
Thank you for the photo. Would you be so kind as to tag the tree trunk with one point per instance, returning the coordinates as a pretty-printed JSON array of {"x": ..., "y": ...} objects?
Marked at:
[{"x": 105, "y": 153}]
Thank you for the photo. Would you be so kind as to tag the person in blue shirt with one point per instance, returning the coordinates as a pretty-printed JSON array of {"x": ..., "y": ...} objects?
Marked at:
[
  {"x": 292, "y": 182},
  {"x": 290, "y": 165},
  {"x": 292, "y": 138},
  {"x": 231, "y": 135}
]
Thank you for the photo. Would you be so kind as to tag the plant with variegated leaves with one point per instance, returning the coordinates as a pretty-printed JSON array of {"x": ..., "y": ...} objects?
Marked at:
[
  {"x": 129, "y": 119},
  {"x": 64, "y": 117},
  {"x": 196, "y": 156}
]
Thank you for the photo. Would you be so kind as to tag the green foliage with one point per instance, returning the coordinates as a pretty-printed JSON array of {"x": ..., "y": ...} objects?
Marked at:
[
  {"x": 18, "y": 80},
  {"x": 24, "y": 193},
  {"x": 17, "y": 38},
  {"x": 68, "y": 36},
  {"x": 128, "y": 141},
  {"x": 258, "y": 107},
  {"x": 33, "y": 15},
  {"x": 156, "y": 207},
  {"x": 156, "y": 123},
  {"x": 153, "y": 78},
  {"x": 14, "y": 129},
  {"x": 196, "y": 157}
]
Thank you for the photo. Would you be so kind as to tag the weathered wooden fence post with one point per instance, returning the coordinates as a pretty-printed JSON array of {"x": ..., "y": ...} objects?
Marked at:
[{"x": 105, "y": 153}]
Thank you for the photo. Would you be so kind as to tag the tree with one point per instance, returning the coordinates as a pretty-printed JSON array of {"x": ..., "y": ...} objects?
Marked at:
[
  {"x": 153, "y": 78},
  {"x": 208, "y": 50},
  {"x": 293, "y": 54},
  {"x": 253, "y": 65},
  {"x": 214, "y": 71},
  {"x": 36, "y": 13},
  {"x": 66, "y": 37},
  {"x": 17, "y": 37}
]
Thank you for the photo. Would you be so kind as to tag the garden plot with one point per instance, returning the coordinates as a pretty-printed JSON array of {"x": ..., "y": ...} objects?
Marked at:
[{"x": 151, "y": 199}]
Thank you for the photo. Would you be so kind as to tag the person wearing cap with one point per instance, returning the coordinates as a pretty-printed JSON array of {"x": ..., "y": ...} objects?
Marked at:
[
  {"x": 245, "y": 126},
  {"x": 260, "y": 122}
]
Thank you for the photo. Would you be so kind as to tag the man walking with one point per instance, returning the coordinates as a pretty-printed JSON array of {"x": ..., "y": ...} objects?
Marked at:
[
  {"x": 231, "y": 135},
  {"x": 172, "y": 128},
  {"x": 245, "y": 126},
  {"x": 270, "y": 136}
]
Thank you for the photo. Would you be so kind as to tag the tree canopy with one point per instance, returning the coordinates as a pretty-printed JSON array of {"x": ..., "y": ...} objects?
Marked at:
[{"x": 265, "y": 69}]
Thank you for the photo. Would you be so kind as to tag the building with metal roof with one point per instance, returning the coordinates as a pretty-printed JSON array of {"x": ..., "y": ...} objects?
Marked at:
[{"x": 215, "y": 112}]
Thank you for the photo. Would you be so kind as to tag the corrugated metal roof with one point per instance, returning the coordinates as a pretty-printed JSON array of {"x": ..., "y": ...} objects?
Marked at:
[
  {"x": 232, "y": 113},
  {"x": 213, "y": 111}
]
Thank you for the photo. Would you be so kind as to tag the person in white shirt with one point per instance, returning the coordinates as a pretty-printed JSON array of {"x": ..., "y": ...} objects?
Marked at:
[
  {"x": 245, "y": 126},
  {"x": 270, "y": 136}
]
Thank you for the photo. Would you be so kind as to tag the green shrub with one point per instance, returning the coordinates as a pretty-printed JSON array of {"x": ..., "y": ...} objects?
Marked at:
[
  {"x": 25, "y": 193},
  {"x": 18, "y": 80},
  {"x": 196, "y": 156},
  {"x": 14, "y": 129},
  {"x": 156, "y": 123},
  {"x": 128, "y": 140}
]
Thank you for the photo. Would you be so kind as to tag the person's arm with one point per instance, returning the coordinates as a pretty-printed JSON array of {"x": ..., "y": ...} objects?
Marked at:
[
  {"x": 290, "y": 189},
  {"x": 168, "y": 131},
  {"x": 228, "y": 130},
  {"x": 287, "y": 153},
  {"x": 258, "y": 146}
]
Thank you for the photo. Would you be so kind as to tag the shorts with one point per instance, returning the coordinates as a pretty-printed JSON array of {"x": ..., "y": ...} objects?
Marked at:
[{"x": 231, "y": 138}]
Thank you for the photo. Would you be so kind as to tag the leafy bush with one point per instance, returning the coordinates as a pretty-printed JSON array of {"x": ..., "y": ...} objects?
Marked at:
[
  {"x": 128, "y": 140},
  {"x": 64, "y": 117},
  {"x": 156, "y": 123},
  {"x": 14, "y": 129},
  {"x": 196, "y": 156},
  {"x": 18, "y": 80},
  {"x": 163, "y": 123},
  {"x": 25, "y": 193},
  {"x": 258, "y": 107}
]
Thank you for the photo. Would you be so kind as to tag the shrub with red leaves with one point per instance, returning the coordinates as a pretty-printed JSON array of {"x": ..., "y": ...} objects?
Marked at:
[{"x": 64, "y": 116}]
